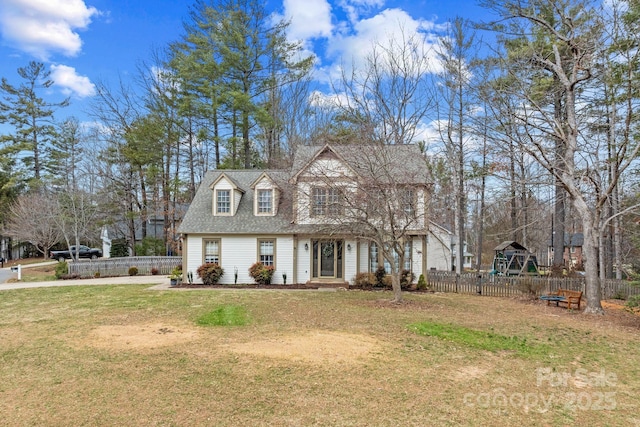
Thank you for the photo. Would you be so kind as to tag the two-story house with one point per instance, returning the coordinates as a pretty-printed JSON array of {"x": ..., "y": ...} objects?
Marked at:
[{"x": 322, "y": 221}]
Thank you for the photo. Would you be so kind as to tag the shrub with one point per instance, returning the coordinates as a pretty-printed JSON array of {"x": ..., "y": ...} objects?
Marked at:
[
  {"x": 261, "y": 273},
  {"x": 364, "y": 280},
  {"x": 209, "y": 272},
  {"x": 387, "y": 282},
  {"x": 633, "y": 302},
  {"x": 151, "y": 246},
  {"x": 70, "y": 276},
  {"x": 133, "y": 271},
  {"x": 406, "y": 279},
  {"x": 62, "y": 268},
  {"x": 96, "y": 274},
  {"x": 380, "y": 274},
  {"x": 530, "y": 287},
  {"x": 422, "y": 283},
  {"x": 620, "y": 294},
  {"x": 154, "y": 271},
  {"x": 119, "y": 248}
]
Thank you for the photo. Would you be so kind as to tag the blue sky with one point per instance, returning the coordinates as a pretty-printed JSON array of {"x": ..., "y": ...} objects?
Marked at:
[{"x": 87, "y": 41}]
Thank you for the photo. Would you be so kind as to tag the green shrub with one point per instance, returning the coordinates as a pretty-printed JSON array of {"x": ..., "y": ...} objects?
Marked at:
[
  {"x": 133, "y": 271},
  {"x": 119, "y": 248},
  {"x": 62, "y": 268},
  {"x": 261, "y": 273},
  {"x": 633, "y": 303},
  {"x": 150, "y": 246},
  {"x": 209, "y": 272},
  {"x": 422, "y": 283},
  {"x": 620, "y": 294}
]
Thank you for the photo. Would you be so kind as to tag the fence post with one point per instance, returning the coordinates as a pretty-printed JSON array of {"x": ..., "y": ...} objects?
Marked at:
[{"x": 457, "y": 281}]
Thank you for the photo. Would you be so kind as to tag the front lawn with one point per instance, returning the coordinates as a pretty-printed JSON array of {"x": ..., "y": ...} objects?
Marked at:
[{"x": 126, "y": 355}]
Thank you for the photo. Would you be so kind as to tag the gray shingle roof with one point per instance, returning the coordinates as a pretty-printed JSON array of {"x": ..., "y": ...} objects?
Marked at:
[
  {"x": 406, "y": 164},
  {"x": 199, "y": 218}
]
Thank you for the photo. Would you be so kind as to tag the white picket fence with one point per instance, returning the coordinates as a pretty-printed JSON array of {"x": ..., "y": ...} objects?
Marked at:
[{"x": 112, "y": 267}]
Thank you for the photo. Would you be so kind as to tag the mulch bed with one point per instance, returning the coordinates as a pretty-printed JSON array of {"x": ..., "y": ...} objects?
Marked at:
[{"x": 246, "y": 286}]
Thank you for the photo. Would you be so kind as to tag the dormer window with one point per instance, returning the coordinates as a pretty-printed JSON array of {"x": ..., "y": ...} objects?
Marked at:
[
  {"x": 266, "y": 195},
  {"x": 265, "y": 201},
  {"x": 223, "y": 201}
]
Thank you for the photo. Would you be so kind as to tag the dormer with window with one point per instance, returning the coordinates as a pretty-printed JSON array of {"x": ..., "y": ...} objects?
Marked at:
[
  {"x": 226, "y": 196},
  {"x": 265, "y": 196}
]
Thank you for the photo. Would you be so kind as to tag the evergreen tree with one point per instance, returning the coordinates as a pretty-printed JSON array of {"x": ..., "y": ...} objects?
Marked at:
[{"x": 31, "y": 117}]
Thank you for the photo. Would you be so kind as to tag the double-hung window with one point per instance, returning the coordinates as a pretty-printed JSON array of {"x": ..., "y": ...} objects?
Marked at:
[
  {"x": 212, "y": 251},
  {"x": 408, "y": 202},
  {"x": 265, "y": 201},
  {"x": 326, "y": 202},
  {"x": 266, "y": 252},
  {"x": 223, "y": 201}
]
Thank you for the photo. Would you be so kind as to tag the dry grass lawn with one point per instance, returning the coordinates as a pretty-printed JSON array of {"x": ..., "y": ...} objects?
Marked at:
[{"x": 127, "y": 355}]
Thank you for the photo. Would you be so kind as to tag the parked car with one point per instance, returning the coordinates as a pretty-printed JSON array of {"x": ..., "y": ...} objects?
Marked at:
[{"x": 83, "y": 252}]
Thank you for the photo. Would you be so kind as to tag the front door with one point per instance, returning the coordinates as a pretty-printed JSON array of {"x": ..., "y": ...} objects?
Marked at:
[{"x": 327, "y": 259}]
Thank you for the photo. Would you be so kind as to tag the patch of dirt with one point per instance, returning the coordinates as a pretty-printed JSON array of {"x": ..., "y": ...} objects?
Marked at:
[
  {"x": 313, "y": 346},
  {"x": 469, "y": 373},
  {"x": 141, "y": 336}
]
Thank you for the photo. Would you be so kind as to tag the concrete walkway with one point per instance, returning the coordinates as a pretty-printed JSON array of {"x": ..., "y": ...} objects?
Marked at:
[{"x": 158, "y": 282}]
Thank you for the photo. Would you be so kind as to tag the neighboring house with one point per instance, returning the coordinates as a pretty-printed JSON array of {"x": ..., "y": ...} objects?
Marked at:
[
  {"x": 466, "y": 255},
  {"x": 572, "y": 256},
  {"x": 439, "y": 256},
  {"x": 293, "y": 219}
]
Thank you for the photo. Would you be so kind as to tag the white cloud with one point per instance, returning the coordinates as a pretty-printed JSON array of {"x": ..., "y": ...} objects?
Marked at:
[
  {"x": 354, "y": 8},
  {"x": 389, "y": 29},
  {"x": 41, "y": 27},
  {"x": 70, "y": 82},
  {"x": 322, "y": 100},
  {"x": 309, "y": 19}
]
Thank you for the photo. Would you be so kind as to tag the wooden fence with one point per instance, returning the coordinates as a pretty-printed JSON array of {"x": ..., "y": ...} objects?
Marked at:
[
  {"x": 491, "y": 285},
  {"x": 111, "y": 267}
]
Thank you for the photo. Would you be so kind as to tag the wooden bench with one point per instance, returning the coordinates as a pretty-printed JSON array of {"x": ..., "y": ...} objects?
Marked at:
[{"x": 566, "y": 297}]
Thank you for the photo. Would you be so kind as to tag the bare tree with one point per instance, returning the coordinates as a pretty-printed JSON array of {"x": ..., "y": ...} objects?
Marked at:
[
  {"x": 572, "y": 31},
  {"x": 76, "y": 218},
  {"x": 389, "y": 96},
  {"x": 375, "y": 193},
  {"x": 32, "y": 218}
]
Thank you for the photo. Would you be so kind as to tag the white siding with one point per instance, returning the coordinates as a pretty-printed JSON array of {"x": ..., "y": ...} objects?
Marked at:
[
  {"x": 194, "y": 256},
  {"x": 284, "y": 260},
  {"x": 438, "y": 250},
  {"x": 304, "y": 261},
  {"x": 416, "y": 257},
  {"x": 364, "y": 257},
  {"x": 238, "y": 252},
  {"x": 350, "y": 260},
  {"x": 237, "y": 195},
  {"x": 241, "y": 252}
]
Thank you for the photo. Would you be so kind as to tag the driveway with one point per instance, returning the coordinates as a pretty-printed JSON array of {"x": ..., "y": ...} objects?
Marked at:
[{"x": 158, "y": 281}]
